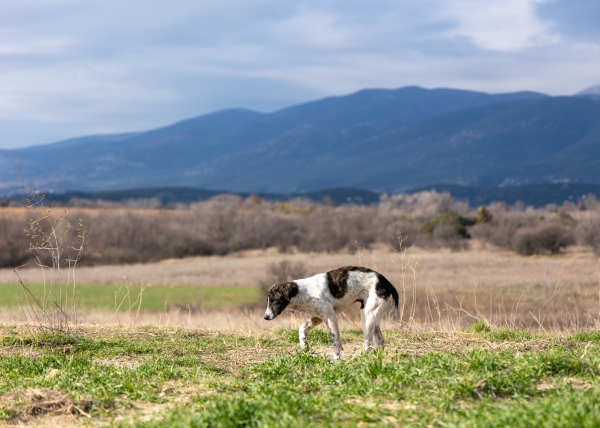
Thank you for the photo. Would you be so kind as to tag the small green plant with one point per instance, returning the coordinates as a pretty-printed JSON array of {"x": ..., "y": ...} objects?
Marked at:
[{"x": 478, "y": 326}]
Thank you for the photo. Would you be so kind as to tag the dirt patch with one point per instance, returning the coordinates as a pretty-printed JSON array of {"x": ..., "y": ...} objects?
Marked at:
[
  {"x": 129, "y": 363},
  {"x": 548, "y": 384},
  {"x": 20, "y": 351},
  {"x": 143, "y": 411},
  {"x": 43, "y": 407}
]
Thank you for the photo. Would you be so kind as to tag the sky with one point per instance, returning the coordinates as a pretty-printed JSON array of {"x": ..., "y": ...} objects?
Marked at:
[{"x": 70, "y": 68}]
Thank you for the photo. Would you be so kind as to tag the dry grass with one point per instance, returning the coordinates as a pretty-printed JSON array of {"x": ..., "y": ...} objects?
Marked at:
[
  {"x": 539, "y": 292},
  {"x": 442, "y": 269}
]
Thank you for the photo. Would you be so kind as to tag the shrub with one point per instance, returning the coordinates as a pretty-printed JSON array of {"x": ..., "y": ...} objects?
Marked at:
[
  {"x": 446, "y": 235},
  {"x": 499, "y": 235},
  {"x": 550, "y": 238},
  {"x": 483, "y": 215},
  {"x": 13, "y": 251},
  {"x": 588, "y": 233},
  {"x": 456, "y": 221},
  {"x": 11, "y": 255},
  {"x": 282, "y": 272}
]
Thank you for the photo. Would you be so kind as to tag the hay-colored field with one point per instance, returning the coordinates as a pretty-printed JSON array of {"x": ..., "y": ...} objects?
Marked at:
[
  {"x": 542, "y": 292},
  {"x": 442, "y": 269}
]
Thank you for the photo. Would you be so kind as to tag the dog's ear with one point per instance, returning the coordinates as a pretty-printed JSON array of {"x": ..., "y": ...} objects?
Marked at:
[
  {"x": 289, "y": 290},
  {"x": 285, "y": 290}
]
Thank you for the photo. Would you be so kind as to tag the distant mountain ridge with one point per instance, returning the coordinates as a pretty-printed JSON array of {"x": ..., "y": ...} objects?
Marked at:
[
  {"x": 538, "y": 195},
  {"x": 591, "y": 92},
  {"x": 378, "y": 140}
]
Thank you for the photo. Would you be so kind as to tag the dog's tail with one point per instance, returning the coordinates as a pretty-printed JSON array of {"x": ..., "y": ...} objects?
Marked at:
[
  {"x": 388, "y": 290},
  {"x": 394, "y": 305}
]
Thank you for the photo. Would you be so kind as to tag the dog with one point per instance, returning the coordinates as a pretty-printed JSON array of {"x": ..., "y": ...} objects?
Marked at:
[{"x": 326, "y": 295}]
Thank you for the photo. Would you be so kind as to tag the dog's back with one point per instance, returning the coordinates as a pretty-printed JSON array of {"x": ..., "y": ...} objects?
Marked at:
[{"x": 358, "y": 283}]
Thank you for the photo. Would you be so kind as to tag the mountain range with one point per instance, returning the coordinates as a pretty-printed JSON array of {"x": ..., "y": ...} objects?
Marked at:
[{"x": 376, "y": 139}]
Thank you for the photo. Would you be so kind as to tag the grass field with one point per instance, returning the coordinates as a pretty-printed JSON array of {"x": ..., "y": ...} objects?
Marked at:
[
  {"x": 151, "y": 377},
  {"x": 154, "y": 298}
]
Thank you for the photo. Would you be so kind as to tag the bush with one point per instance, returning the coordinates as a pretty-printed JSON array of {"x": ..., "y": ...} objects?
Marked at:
[
  {"x": 282, "y": 272},
  {"x": 445, "y": 235},
  {"x": 11, "y": 255},
  {"x": 588, "y": 233},
  {"x": 495, "y": 234},
  {"x": 483, "y": 215},
  {"x": 13, "y": 251},
  {"x": 550, "y": 238},
  {"x": 456, "y": 221}
]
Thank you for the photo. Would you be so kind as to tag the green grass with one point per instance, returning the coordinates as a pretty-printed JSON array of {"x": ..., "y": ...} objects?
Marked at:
[
  {"x": 154, "y": 298},
  {"x": 495, "y": 378}
]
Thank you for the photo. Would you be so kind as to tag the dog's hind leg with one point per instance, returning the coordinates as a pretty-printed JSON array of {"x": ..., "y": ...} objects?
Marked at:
[
  {"x": 334, "y": 332},
  {"x": 379, "y": 339},
  {"x": 369, "y": 325},
  {"x": 305, "y": 328},
  {"x": 372, "y": 315}
]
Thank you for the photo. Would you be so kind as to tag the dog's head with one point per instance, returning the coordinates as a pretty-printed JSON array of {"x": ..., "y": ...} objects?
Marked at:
[{"x": 278, "y": 297}]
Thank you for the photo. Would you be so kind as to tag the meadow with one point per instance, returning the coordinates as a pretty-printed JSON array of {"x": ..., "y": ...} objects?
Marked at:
[
  {"x": 497, "y": 324},
  {"x": 157, "y": 377}
]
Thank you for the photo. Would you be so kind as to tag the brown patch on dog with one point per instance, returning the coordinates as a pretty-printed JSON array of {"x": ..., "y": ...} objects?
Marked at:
[{"x": 337, "y": 280}]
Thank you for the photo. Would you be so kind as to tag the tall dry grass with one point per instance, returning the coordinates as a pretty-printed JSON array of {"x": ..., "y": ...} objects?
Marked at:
[
  {"x": 49, "y": 248},
  {"x": 558, "y": 305}
]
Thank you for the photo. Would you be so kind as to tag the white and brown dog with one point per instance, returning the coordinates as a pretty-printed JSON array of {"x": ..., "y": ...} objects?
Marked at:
[{"x": 325, "y": 295}]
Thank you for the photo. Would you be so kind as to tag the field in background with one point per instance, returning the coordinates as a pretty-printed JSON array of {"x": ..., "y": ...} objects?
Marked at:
[{"x": 537, "y": 293}]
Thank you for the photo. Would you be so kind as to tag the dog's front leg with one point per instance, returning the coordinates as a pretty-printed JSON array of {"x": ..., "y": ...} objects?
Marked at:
[
  {"x": 305, "y": 328},
  {"x": 334, "y": 332}
]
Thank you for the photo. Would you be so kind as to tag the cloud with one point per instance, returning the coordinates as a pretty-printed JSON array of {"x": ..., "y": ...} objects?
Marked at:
[
  {"x": 501, "y": 25},
  {"x": 69, "y": 68},
  {"x": 575, "y": 19}
]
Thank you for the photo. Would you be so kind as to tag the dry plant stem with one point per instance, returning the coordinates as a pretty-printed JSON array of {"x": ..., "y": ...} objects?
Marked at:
[
  {"x": 49, "y": 234},
  {"x": 130, "y": 306},
  {"x": 412, "y": 264},
  {"x": 244, "y": 313}
]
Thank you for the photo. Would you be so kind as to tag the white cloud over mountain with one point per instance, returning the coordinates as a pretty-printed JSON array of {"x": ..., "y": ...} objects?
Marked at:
[{"x": 69, "y": 68}]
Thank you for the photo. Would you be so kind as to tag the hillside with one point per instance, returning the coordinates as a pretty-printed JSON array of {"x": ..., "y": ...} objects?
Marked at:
[{"x": 379, "y": 140}]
